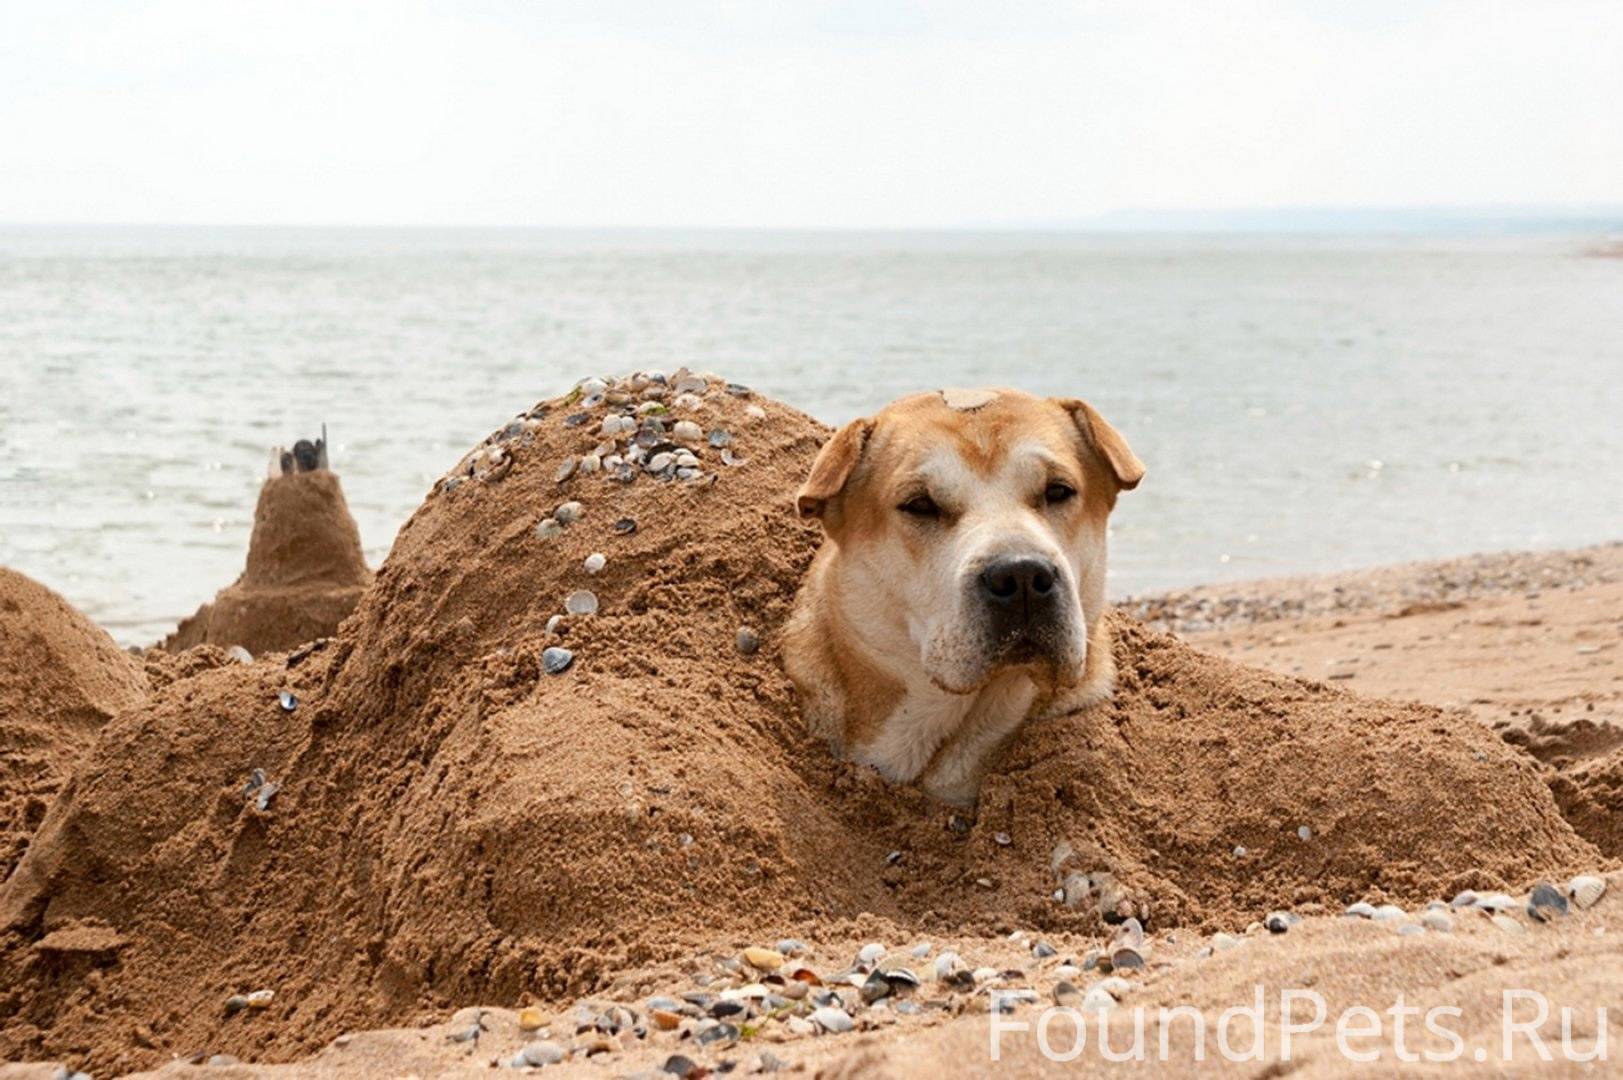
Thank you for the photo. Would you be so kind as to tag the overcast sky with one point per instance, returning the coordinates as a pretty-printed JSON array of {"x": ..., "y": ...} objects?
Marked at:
[{"x": 754, "y": 113}]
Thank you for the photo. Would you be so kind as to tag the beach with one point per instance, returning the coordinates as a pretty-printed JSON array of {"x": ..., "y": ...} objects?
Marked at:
[{"x": 483, "y": 823}]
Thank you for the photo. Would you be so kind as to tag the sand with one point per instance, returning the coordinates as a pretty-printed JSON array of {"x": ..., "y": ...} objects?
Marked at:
[
  {"x": 61, "y": 678},
  {"x": 451, "y": 826},
  {"x": 305, "y": 572}
]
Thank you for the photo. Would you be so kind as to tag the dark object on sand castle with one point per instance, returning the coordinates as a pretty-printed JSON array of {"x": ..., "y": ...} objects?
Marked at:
[{"x": 306, "y": 456}]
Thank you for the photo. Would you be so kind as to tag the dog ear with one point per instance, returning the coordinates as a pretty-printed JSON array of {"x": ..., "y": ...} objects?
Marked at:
[
  {"x": 833, "y": 468},
  {"x": 1107, "y": 442}
]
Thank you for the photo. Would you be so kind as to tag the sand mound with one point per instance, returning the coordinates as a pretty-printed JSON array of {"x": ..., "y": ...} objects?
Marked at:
[
  {"x": 61, "y": 678},
  {"x": 305, "y": 572},
  {"x": 1591, "y": 797},
  {"x": 454, "y": 825}
]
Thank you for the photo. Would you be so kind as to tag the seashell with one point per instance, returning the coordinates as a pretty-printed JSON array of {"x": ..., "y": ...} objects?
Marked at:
[
  {"x": 1463, "y": 899},
  {"x": 691, "y": 384},
  {"x": 267, "y": 792},
  {"x": 287, "y": 700},
  {"x": 1410, "y": 929},
  {"x": 591, "y": 401},
  {"x": 870, "y": 953},
  {"x": 945, "y": 965},
  {"x": 555, "y": 624},
  {"x": 1546, "y": 902},
  {"x": 687, "y": 431},
  {"x": 566, "y": 469},
  {"x": 625, "y": 526},
  {"x": 624, "y": 473},
  {"x": 1304, "y": 833},
  {"x": 590, "y": 464},
  {"x": 547, "y": 528},
  {"x": 1130, "y": 932},
  {"x": 688, "y": 473},
  {"x": 1363, "y": 909},
  {"x": 746, "y": 641},
  {"x": 920, "y": 951},
  {"x": 1438, "y": 921},
  {"x": 1043, "y": 950},
  {"x": 240, "y": 655},
  {"x": 256, "y": 780},
  {"x": 719, "y": 438},
  {"x": 529, "y": 1018},
  {"x": 592, "y": 385},
  {"x": 595, "y": 562},
  {"x": 1222, "y": 941},
  {"x": 536, "y": 1055},
  {"x": 768, "y": 960},
  {"x": 261, "y": 999},
  {"x": 833, "y": 1020},
  {"x": 235, "y": 1003},
  {"x": 659, "y": 462},
  {"x": 1389, "y": 913},
  {"x": 755, "y": 412},
  {"x": 1097, "y": 999},
  {"x": 687, "y": 402},
  {"x": 556, "y": 660},
  {"x": 874, "y": 988},
  {"x": 1127, "y": 958},
  {"x": 738, "y": 389},
  {"x": 685, "y": 460},
  {"x": 581, "y": 602},
  {"x": 576, "y": 419},
  {"x": 1495, "y": 902},
  {"x": 1586, "y": 890},
  {"x": 1066, "y": 995},
  {"x": 568, "y": 513}
]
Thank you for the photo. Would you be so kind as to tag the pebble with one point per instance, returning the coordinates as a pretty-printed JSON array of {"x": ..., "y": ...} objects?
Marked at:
[
  {"x": 261, "y": 999},
  {"x": 591, "y": 463},
  {"x": 625, "y": 526},
  {"x": 677, "y": 1065},
  {"x": 537, "y": 1054},
  {"x": 1390, "y": 913},
  {"x": 1066, "y": 971},
  {"x": 1043, "y": 950},
  {"x": 547, "y": 528},
  {"x": 768, "y": 960},
  {"x": 568, "y": 513},
  {"x": 1546, "y": 902},
  {"x": 755, "y": 412},
  {"x": 529, "y": 1018},
  {"x": 1363, "y": 909},
  {"x": 235, "y": 1003},
  {"x": 556, "y": 660},
  {"x": 581, "y": 602},
  {"x": 831, "y": 1019},
  {"x": 1278, "y": 922},
  {"x": 791, "y": 947},
  {"x": 873, "y": 988},
  {"x": 1304, "y": 833},
  {"x": 1586, "y": 890},
  {"x": 801, "y": 1026},
  {"x": 1438, "y": 921},
  {"x": 595, "y": 562},
  {"x": 1128, "y": 958},
  {"x": 1463, "y": 899},
  {"x": 287, "y": 700},
  {"x": 687, "y": 431},
  {"x": 1239, "y": 851},
  {"x": 240, "y": 655},
  {"x": 871, "y": 952},
  {"x": 720, "y": 1033},
  {"x": 1066, "y": 995},
  {"x": 746, "y": 641},
  {"x": 267, "y": 792}
]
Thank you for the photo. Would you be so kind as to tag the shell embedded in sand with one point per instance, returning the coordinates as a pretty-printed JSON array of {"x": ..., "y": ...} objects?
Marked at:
[
  {"x": 556, "y": 660},
  {"x": 581, "y": 602},
  {"x": 1586, "y": 890},
  {"x": 568, "y": 513},
  {"x": 595, "y": 562}
]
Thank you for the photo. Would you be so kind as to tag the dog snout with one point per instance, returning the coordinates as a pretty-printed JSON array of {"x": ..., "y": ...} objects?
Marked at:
[{"x": 1020, "y": 593}]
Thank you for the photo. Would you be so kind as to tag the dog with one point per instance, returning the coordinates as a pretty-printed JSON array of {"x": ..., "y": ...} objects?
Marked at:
[{"x": 960, "y": 586}]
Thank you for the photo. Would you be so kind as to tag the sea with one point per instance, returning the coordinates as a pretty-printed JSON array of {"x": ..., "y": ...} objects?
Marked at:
[{"x": 1303, "y": 403}]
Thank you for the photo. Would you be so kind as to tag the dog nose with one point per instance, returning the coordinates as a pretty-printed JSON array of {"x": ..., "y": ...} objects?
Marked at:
[{"x": 1019, "y": 585}]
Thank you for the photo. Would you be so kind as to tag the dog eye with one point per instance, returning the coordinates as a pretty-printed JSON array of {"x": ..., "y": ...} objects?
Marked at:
[
  {"x": 1058, "y": 492},
  {"x": 921, "y": 506}
]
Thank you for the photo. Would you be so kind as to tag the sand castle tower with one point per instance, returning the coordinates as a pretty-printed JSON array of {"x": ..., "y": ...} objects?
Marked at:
[{"x": 305, "y": 570}]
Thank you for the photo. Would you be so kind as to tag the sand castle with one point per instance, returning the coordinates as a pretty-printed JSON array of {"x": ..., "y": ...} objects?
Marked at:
[
  {"x": 457, "y": 821},
  {"x": 305, "y": 571}
]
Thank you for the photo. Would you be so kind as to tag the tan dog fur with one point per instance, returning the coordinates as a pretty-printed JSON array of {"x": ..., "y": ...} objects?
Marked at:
[{"x": 884, "y": 645}]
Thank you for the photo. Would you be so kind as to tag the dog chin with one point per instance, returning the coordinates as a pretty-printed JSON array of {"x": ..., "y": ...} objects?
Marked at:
[{"x": 956, "y": 667}]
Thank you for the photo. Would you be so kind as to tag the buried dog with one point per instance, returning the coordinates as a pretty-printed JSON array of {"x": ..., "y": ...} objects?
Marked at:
[{"x": 960, "y": 587}]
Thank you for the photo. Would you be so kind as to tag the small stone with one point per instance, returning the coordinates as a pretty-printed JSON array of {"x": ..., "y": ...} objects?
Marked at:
[
  {"x": 591, "y": 463},
  {"x": 1239, "y": 851},
  {"x": 1464, "y": 899},
  {"x": 1390, "y": 913},
  {"x": 755, "y": 412},
  {"x": 235, "y": 1003},
  {"x": 1304, "y": 833},
  {"x": 625, "y": 526},
  {"x": 767, "y": 1062},
  {"x": 873, "y": 988},
  {"x": 790, "y": 947},
  {"x": 595, "y": 562},
  {"x": 870, "y": 953},
  {"x": 529, "y": 1018},
  {"x": 768, "y": 960},
  {"x": 892, "y": 858},
  {"x": 1586, "y": 890},
  {"x": 1002, "y": 839},
  {"x": 1363, "y": 909},
  {"x": 1043, "y": 950},
  {"x": 547, "y": 528},
  {"x": 555, "y": 660},
  {"x": 1278, "y": 922},
  {"x": 536, "y": 1055},
  {"x": 287, "y": 700},
  {"x": 746, "y": 641},
  {"x": 581, "y": 602},
  {"x": 1546, "y": 902},
  {"x": 833, "y": 1020},
  {"x": 800, "y": 1026},
  {"x": 726, "y": 1034},
  {"x": 677, "y": 1065},
  {"x": 568, "y": 513},
  {"x": 261, "y": 999},
  {"x": 1438, "y": 921}
]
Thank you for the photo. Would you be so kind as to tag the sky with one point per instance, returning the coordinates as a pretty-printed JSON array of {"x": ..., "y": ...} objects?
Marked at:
[{"x": 866, "y": 114}]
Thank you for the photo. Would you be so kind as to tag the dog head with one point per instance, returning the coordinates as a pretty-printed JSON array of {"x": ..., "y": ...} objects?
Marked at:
[{"x": 970, "y": 531}]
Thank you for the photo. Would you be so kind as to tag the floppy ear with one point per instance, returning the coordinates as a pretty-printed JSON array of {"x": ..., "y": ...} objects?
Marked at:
[
  {"x": 1107, "y": 442},
  {"x": 832, "y": 468}
]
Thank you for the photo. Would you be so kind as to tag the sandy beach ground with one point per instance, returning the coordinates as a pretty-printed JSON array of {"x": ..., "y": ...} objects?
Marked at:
[{"x": 634, "y": 865}]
